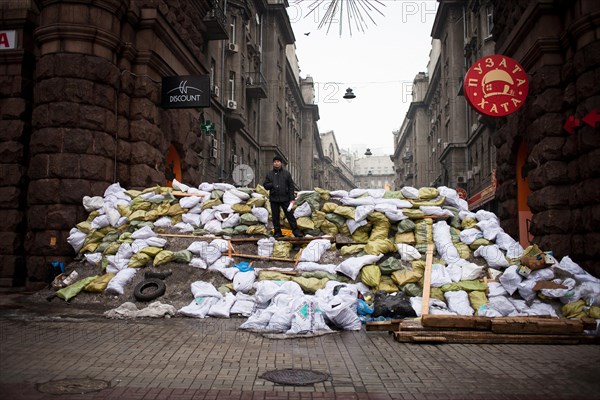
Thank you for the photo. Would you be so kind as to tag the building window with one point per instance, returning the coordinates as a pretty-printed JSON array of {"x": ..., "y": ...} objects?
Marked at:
[
  {"x": 490, "y": 19},
  {"x": 231, "y": 85},
  {"x": 232, "y": 29}
]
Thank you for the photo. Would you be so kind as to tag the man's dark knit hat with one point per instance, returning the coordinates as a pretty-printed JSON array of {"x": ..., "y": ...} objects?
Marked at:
[{"x": 277, "y": 158}]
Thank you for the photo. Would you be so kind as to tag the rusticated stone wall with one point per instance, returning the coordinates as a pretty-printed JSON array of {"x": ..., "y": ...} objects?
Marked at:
[
  {"x": 80, "y": 110},
  {"x": 559, "y": 46}
]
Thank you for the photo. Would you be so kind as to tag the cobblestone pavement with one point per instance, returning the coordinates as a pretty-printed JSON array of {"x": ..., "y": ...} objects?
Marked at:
[{"x": 182, "y": 358}]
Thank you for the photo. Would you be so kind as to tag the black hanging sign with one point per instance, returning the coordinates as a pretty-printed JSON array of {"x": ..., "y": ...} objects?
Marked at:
[{"x": 186, "y": 91}]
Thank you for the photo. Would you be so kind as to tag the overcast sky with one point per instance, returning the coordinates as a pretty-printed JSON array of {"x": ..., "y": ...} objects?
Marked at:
[{"x": 379, "y": 65}]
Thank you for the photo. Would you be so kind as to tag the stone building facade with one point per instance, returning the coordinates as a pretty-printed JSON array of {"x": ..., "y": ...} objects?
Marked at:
[
  {"x": 558, "y": 44},
  {"x": 80, "y": 108}
]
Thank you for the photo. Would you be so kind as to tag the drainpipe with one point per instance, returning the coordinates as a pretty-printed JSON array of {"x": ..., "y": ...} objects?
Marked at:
[
  {"x": 258, "y": 176},
  {"x": 221, "y": 176}
]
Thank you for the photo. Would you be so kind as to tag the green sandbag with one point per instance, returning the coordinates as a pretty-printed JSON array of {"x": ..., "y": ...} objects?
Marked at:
[
  {"x": 240, "y": 229},
  {"x": 337, "y": 219},
  {"x": 72, "y": 290},
  {"x": 467, "y": 286},
  {"x": 325, "y": 274},
  {"x": 256, "y": 202},
  {"x": 175, "y": 209},
  {"x": 412, "y": 290},
  {"x": 370, "y": 275},
  {"x": 346, "y": 211},
  {"x": 312, "y": 198},
  {"x": 436, "y": 293},
  {"x": 211, "y": 203},
  {"x": 406, "y": 225},
  {"x": 99, "y": 284},
  {"x": 324, "y": 194},
  {"x": 182, "y": 256},
  {"x": 479, "y": 242},
  {"x": 310, "y": 285},
  {"x": 404, "y": 276},
  {"x": 438, "y": 201},
  {"x": 390, "y": 265},
  {"x": 392, "y": 194},
  {"x": 163, "y": 257},
  {"x": 264, "y": 275},
  {"x": 152, "y": 251},
  {"x": 260, "y": 189},
  {"x": 248, "y": 219},
  {"x": 352, "y": 249}
]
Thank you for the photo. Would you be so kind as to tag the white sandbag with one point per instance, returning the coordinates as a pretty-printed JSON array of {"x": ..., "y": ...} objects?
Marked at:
[
  {"x": 231, "y": 221},
  {"x": 579, "y": 274},
  {"x": 163, "y": 222},
  {"x": 408, "y": 252},
  {"x": 207, "y": 215},
  {"x": 436, "y": 306},
  {"x": 244, "y": 305},
  {"x": 210, "y": 254},
  {"x": 199, "y": 307},
  {"x": 101, "y": 221},
  {"x": 353, "y": 225},
  {"x": 281, "y": 320},
  {"x": 314, "y": 250},
  {"x": 410, "y": 192},
  {"x": 213, "y": 226},
  {"x": 469, "y": 235},
  {"x": 221, "y": 308},
  {"x": 265, "y": 246},
  {"x": 351, "y": 267},
  {"x": 510, "y": 279},
  {"x": 303, "y": 311},
  {"x": 230, "y": 198},
  {"x": 385, "y": 207},
  {"x": 590, "y": 292},
  {"x": 243, "y": 281},
  {"x": 303, "y": 210},
  {"x": 223, "y": 186},
  {"x": 179, "y": 186},
  {"x": 112, "y": 214},
  {"x": 361, "y": 201},
  {"x": 496, "y": 289},
  {"x": 92, "y": 203},
  {"x": 558, "y": 293},
  {"x": 125, "y": 251},
  {"x": 482, "y": 215},
  {"x": 93, "y": 258},
  {"x": 223, "y": 265},
  {"x": 356, "y": 192},
  {"x": 452, "y": 198},
  {"x": 76, "y": 239},
  {"x": 439, "y": 277},
  {"x": 143, "y": 233},
  {"x": 471, "y": 271},
  {"x": 221, "y": 244},
  {"x": 339, "y": 193},
  {"x": 309, "y": 266},
  {"x": 539, "y": 308},
  {"x": 395, "y": 216},
  {"x": 224, "y": 208},
  {"x": 197, "y": 262},
  {"x": 266, "y": 290},
  {"x": 116, "y": 286},
  {"x": 138, "y": 245},
  {"x": 513, "y": 248},
  {"x": 525, "y": 289},
  {"x": 342, "y": 313},
  {"x": 376, "y": 193},
  {"x": 490, "y": 228},
  {"x": 443, "y": 242},
  {"x": 261, "y": 214},
  {"x": 436, "y": 211},
  {"x": 190, "y": 201},
  {"x": 206, "y": 187},
  {"x": 115, "y": 190},
  {"x": 544, "y": 274},
  {"x": 494, "y": 273},
  {"x": 242, "y": 195},
  {"x": 116, "y": 263},
  {"x": 454, "y": 270},
  {"x": 458, "y": 301},
  {"x": 204, "y": 289},
  {"x": 399, "y": 203},
  {"x": 156, "y": 241},
  {"x": 258, "y": 321},
  {"x": 501, "y": 304},
  {"x": 493, "y": 256}
]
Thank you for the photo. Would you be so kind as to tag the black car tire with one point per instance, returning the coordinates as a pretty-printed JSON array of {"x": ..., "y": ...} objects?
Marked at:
[{"x": 149, "y": 289}]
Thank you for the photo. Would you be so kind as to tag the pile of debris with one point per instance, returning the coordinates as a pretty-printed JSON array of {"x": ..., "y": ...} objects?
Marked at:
[{"x": 368, "y": 254}]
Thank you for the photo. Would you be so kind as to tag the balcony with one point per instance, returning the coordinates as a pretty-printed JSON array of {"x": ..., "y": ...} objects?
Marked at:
[
  {"x": 216, "y": 23},
  {"x": 256, "y": 85}
]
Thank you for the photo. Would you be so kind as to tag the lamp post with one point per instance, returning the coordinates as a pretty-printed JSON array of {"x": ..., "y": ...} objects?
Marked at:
[
  {"x": 368, "y": 153},
  {"x": 349, "y": 95}
]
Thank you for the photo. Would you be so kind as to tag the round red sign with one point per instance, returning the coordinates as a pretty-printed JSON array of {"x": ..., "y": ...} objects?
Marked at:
[
  {"x": 462, "y": 193},
  {"x": 496, "y": 85}
]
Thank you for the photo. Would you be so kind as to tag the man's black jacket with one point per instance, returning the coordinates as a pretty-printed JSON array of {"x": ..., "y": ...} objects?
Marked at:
[{"x": 280, "y": 185}]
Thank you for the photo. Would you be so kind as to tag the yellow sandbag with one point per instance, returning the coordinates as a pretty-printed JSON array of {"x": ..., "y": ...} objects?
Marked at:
[
  {"x": 361, "y": 234},
  {"x": 352, "y": 249},
  {"x": 406, "y": 237},
  {"x": 152, "y": 251},
  {"x": 464, "y": 251},
  {"x": 282, "y": 249},
  {"x": 427, "y": 193},
  {"x": 264, "y": 275},
  {"x": 157, "y": 212},
  {"x": 72, "y": 290},
  {"x": 477, "y": 298},
  {"x": 241, "y": 208},
  {"x": 305, "y": 223},
  {"x": 413, "y": 213},
  {"x": 261, "y": 190},
  {"x": 577, "y": 309},
  {"x": 310, "y": 285},
  {"x": 404, "y": 276},
  {"x": 344, "y": 230},
  {"x": 478, "y": 242},
  {"x": 379, "y": 231},
  {"x": 387, "y": 285},
  {"x": 370, "y": 275},
  {"x": 99, "y": 284},
  {"x": 380, "y": 246},
  {"x": 323, "y": 194},
  {"x": 345, "y": 211},
  {"x": 329, "y": 207},
  {"x": 139, "y": 260},
  {"x": 257, "y": 230},
  {"x": 140, "y": 205},
  {"x": 436, "y": 293},
  {"x": 439, "y": 201},
  {"x": 392, "y": 194},
  {"x": 468, "y": 223},
  {"x": 89, "y": 248},
  {"x": 111, "y": 249},
  {"x": 467, "y": 286},
  {"x": 329, "y": 228},
  {"x": 84, "y": 226},
  {"x": 318, "y": 217},
  {"x": 424, "y": 231},
  {"x": 256, "y": 202},
  {"x": 594, "y": 312},
  {"x": 211, "y": 203},
  {"x": 175, "y": 209},
  {"x": 163, "y": 257},
  {"x": 137, "y": 215}
]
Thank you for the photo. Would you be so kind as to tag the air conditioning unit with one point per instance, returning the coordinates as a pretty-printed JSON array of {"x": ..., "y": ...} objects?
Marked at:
[
  {"x": 474, "y": 127},
  {"x": 213, "y": 153},
  {"x": 234, "y": 158},
  {"x": 445, "y": 144},
  {"x": 249, "y": 81},
  {"x": 432, "y": 120},
  {"x": 469, "y": 174},
  {"x": 433, "y": 150},
  {"x": 231, "y": 104},
  {"x": 232, "y": 47},
  {"x": 460, "y": 179},
  {"x": 215, "y": 91},
  {"x": 214, "y": 143},
  {"x": 475, "y": 169},
  {"x": 439, "y": 140}
]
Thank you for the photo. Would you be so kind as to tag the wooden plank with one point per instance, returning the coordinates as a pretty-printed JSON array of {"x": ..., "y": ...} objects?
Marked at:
[
  {"x": 456, "y": 322},
  {"x": 411, "y": 325},
  {"x": 540, "y": 326},
  {"x": 486, "y": 337},
  {"x": 389, "y": 326},
  {"x": 184, "y": 194},
  {"x": 427, "y": 280},
  {"x": 265, "y": 258}
]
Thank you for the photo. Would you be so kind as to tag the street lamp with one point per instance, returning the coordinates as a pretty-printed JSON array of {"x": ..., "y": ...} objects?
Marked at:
[
  {"x": 349, "y": 94},
  {"x": 368, "y": 152}
]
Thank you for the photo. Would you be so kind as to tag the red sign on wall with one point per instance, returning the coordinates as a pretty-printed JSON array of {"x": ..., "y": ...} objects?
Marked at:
[{"x": 496, "y": 85}]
